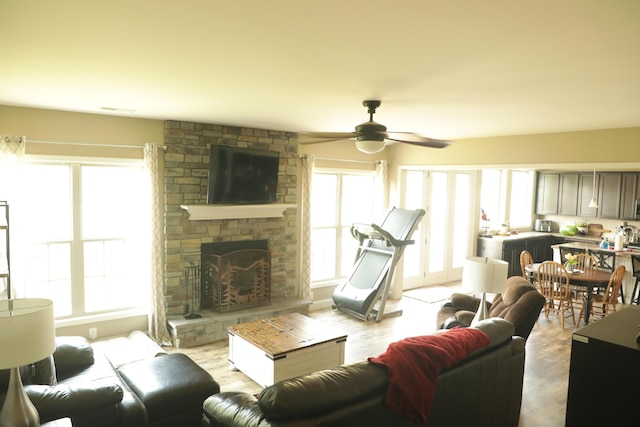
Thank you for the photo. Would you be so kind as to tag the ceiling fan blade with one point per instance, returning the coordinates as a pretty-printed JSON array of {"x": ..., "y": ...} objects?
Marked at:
[
  {"x": 415, "y": 139},
  {"x": 319, "y": 137}
]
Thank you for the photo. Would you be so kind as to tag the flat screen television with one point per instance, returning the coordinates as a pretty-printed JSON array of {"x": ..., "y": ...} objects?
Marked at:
[{"x": 240, "y": 175}]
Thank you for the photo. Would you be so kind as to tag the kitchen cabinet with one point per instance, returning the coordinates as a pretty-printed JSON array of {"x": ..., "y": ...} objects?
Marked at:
[
  {"x": 547, "y": 193},
  {"x": 568, "y": 194},
  {"x": 509, "y": 250},
  {"x": 609, "y": 189},
  {"x": 585, "y": 193},
  {"x": 629, "y": 193}
]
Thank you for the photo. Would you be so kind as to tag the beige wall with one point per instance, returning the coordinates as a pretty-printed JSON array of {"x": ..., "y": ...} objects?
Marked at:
[
  {"x": 599, "y": 147},
  {"x": 61, "y": 126},
  {"x": 605, "y": 149}
]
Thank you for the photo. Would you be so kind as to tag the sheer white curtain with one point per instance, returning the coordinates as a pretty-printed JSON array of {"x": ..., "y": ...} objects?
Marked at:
[
  {"x": 305, "y": 273},
  {"x": 157, "y": 314},
  {"x": 382, "y": 187},
  {"x": 12, "y": 153}
]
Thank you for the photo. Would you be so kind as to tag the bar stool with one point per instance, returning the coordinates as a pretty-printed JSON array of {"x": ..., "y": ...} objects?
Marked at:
[
  {"x": 635, "y": 264},
  {"x": 606, "y": 261}
]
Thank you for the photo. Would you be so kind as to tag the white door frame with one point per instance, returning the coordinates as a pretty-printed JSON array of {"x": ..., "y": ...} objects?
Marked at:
[{"x": 422, "y": 239}]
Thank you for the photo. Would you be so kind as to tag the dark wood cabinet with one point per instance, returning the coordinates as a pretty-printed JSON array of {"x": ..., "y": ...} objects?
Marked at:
[
  {"x": 539, "y": 247},
  {"x": 604, "y": 372},
  {"x": 568, "y": 194},
  {"x": 609, "y": 189},
  {"x": 547, "y": 193},
  {"x": 629, "y": 193},
  {"x": 585, "y": 193},
  {"x": 511, "y": 253}
]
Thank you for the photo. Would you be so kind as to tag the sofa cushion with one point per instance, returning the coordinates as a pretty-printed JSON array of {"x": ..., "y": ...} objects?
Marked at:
[
  {"x": 323, "y": 391},
  {"x": 169, "y": 385},
  {"x": 516, "y": 287},
  {"x": 59, "y": 401},
  {"x": 72, "y": 354}
]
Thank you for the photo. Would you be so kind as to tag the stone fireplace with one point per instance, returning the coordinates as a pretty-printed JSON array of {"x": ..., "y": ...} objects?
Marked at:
[
  {"x": 186, "y": 163},
  {"x": 235, "y": 275}
]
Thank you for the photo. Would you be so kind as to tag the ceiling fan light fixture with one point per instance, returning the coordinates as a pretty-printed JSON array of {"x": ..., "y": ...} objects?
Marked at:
[{"x": 370, "y": 146}]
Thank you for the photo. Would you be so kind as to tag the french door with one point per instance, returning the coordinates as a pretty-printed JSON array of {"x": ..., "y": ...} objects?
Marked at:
[{"x": 445, "y": 236}]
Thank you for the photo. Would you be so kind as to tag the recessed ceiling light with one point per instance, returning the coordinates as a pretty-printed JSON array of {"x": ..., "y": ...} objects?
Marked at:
[{"x": 118, "y": 110}]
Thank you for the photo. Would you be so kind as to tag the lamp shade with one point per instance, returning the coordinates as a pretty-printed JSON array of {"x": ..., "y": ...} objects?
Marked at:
[
  {"x": 483, "y": 274},
  {"x": 27, "y": 331},
  {"x": 370, "y": 146}
]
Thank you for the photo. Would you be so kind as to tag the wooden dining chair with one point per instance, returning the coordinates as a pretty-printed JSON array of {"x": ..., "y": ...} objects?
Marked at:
[
  {"x": 554, "y": 285},
  {"x": 584, "y": 261},
  {"x": 605, "y": 303},
  {"x": 564, "y": 250},
  {"x": 525, "y": 259}
]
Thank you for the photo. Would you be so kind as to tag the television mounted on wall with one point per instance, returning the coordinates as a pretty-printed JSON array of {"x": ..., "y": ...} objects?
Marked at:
[{"x": 239, "y": 175}]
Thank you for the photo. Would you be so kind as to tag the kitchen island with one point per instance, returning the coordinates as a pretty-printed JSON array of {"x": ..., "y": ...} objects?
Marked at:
[{"x": 508, "y": 247}]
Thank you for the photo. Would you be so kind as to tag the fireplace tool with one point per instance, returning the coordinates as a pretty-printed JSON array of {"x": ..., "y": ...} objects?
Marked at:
[{"x": 191, "y": 282}]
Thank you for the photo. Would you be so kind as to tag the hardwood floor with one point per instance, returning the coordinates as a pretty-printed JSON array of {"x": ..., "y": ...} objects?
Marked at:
[{"x": 546, "y": 368}]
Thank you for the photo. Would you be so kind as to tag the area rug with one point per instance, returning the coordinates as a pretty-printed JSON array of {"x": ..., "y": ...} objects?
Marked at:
[{"x": 433, "y": 294}]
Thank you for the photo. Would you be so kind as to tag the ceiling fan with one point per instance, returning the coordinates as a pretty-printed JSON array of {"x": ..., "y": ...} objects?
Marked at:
[{"x": 371, "y": 137}]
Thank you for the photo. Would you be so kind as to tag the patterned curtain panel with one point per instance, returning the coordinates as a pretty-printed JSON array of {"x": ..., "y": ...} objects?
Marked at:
[
  {"x": 157, "y": 315},
  {"x": 382, "y": 187},
  {"x": 305, "y": 273}
]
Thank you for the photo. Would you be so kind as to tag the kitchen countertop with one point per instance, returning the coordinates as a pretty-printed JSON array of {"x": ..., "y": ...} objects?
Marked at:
[
  {"x": 580, "y": 241},
  {"x": 532, "y": 234},
  {"x": 582, "y": 245}
]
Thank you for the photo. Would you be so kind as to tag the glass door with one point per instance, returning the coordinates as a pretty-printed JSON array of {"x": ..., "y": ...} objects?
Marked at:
[{"x": 444, "y": 238}]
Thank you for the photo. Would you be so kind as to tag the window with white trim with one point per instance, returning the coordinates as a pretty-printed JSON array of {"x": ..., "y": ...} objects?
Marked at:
[
  {"x": 507, "y": 197},
  {"x": 84, "y": 236},
  {"x": 338, "y": 200}
]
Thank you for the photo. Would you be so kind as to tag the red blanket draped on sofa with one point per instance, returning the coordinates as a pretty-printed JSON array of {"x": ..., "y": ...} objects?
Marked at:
[{"x": 414, "y": 364}]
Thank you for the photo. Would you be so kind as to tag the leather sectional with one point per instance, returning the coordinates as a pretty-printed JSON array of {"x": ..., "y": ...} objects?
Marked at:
[
  {"x": 483, "y": 389},
  {"x": 136, "y": 386}
]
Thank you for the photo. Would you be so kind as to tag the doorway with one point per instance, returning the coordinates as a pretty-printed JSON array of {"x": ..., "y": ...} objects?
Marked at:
[{"x": 445, "y": 236}]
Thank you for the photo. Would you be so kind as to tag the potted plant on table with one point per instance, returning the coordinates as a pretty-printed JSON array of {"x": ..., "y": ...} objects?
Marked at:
[{"x": 570, "y": 262}]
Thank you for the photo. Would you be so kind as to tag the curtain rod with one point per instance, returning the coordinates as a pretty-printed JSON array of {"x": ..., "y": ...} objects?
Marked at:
[
  {"x": 373, "y": 162},
  {"x": 40, "y": 141}
]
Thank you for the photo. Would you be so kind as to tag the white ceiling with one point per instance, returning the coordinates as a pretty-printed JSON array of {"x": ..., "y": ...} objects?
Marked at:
[{"x": 444, "y": 68}]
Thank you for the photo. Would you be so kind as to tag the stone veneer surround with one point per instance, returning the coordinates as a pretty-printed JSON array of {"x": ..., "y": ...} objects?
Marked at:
[{"x": 186, "y": 164}]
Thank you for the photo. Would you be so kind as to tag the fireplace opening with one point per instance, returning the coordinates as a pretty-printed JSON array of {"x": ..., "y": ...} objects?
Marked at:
[{"x": 235, "y": 275}]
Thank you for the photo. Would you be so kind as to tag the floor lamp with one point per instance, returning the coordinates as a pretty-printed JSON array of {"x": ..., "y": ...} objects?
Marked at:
[
  {"x": 482, "y": 274},
  {"x": 27, "y": 334}
]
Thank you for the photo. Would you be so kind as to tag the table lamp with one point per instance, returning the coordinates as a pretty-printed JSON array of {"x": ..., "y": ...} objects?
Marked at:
[
  {"x": 482, "y": 274},
  {"x": 27, "y": 334}
]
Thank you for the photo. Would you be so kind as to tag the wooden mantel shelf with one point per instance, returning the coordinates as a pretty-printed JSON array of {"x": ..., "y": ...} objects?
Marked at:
[{"x": 204, "y": 212}]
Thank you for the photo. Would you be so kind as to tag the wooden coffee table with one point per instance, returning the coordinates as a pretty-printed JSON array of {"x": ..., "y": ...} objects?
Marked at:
[{"x": 271, "y": 350}]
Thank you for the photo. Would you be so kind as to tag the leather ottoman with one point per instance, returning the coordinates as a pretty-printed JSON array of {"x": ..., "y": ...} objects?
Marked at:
[{"x": 171, "y": 387}]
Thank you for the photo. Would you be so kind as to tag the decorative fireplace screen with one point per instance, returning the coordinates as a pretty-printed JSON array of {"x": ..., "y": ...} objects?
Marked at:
[{"x": 236, "y": 275}]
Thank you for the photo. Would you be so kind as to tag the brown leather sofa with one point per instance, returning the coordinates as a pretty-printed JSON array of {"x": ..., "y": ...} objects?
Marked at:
[
  {"x": 484, "y": 389},
  {"x": 83, "y": 384},
  {"x": 520, "y": 304}
]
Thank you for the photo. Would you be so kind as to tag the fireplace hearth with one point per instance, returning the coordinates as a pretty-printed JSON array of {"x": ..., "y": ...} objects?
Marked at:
[{"x": 235, "y": 275}]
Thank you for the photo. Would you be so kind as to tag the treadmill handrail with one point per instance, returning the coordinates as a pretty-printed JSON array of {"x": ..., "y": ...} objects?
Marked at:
[{"x": 375, "y": 232}]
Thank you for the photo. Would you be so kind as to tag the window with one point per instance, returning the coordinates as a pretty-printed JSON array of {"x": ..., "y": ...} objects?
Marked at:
[
  {"x": 339, "y": 199},
  {"x": 84, "y": 236},
  {"x": 507, "y": 196}
]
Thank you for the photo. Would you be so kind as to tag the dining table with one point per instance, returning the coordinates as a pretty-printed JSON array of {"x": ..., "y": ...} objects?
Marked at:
[{"x": 589, "y": 279}]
